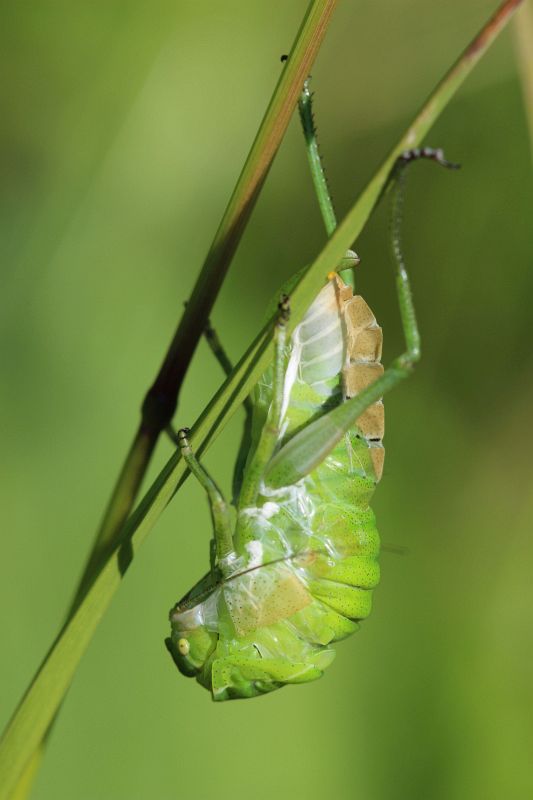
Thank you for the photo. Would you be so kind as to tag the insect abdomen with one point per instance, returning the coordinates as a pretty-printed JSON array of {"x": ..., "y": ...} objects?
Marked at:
[
  {"x": 342, "y": 525},
  {"x": 307, "y": 552}
]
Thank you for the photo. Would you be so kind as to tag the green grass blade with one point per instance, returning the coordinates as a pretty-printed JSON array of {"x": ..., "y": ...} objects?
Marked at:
[{"x": 42, "y": 699}]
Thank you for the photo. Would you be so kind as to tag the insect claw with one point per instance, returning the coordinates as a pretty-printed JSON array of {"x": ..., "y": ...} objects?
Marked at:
[
  {"x": 183, "y": 439},
  {"x": 284, "y": 309}
]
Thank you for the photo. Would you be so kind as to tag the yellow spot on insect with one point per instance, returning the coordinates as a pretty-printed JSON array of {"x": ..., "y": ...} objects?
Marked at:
[
  {"x": 331, "y": 275},
  {"x": 183, "y": 647}
]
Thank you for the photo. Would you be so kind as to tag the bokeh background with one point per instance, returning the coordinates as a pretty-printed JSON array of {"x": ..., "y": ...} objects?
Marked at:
[{"x": 123, "y": 132}]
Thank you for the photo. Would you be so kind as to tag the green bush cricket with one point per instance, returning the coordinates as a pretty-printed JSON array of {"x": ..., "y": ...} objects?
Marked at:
[{"x": 296, "y": 572}]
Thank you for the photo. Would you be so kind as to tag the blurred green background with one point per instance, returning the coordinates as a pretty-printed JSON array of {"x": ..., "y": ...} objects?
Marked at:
[{"x": 124, "y": 129}]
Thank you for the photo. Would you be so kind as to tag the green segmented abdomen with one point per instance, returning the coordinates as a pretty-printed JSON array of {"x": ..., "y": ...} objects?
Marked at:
[{"x": 306, "y": 553}]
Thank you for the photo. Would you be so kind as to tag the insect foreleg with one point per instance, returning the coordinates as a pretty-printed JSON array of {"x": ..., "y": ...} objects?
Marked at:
[
  {"x": 219, "y": 507},
  {"x": 271, "y": 429}
]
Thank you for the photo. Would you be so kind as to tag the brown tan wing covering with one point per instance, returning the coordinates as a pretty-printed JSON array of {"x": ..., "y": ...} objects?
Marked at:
[{"x": 363, "y": 365}]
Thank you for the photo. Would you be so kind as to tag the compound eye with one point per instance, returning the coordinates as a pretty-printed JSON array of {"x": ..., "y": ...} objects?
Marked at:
[{"x": 183, "y": 647}]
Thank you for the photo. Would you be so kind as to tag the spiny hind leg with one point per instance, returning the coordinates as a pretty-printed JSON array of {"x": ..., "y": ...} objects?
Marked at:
[
  {"x": 405, "y": 299},
  {"x": 325, "y": 202}
]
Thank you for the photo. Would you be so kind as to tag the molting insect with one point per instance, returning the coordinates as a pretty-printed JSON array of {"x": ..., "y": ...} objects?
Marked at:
[{"x": 296, "y": 571}]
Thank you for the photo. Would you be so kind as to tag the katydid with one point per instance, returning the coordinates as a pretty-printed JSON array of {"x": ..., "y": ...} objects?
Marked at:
[{"x": 296, "y": 571}]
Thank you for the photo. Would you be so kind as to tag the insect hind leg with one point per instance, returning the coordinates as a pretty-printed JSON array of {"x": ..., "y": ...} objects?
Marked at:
[
  {"x": 405, "y": 298},
  {"x": 320, "y": 183}
]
